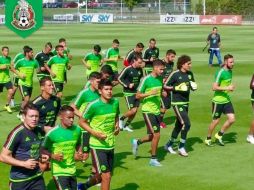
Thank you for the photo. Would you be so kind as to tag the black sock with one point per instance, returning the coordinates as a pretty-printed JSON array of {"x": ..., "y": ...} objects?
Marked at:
[
  {"x": 153, "y": 157},
  {"x": 7, "y": 105},
  {"x": 220, "y": 133},
  {"x": 182, "y": 143},
  {"x": 139, "y": 142},
  {"x": 127, "y": 123},
  {"x": 122, "y": 118},
  {"x": 208, "y": 138}
]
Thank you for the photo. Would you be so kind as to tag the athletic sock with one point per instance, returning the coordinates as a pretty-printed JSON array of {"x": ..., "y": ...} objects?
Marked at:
[
  {"x": 171, "y": 142},
  {"x": 127, "y": 123},
  {"x": 122, "y": 118},
  {"x": 153, "y": 157},
  {"x": 6, "y": 105},
  {"x": 220, "y": 133},
  {"x": 208, "y": 138},
  {"x": 139, "y": 142},
  {"x": 182, "y": 143}
]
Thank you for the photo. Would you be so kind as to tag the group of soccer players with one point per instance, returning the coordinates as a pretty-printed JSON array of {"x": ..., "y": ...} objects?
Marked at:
[{"x": 146, "y": 78}]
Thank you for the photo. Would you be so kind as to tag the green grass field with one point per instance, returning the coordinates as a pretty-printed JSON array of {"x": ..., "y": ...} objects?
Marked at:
[{"x": 210, "y": 168}]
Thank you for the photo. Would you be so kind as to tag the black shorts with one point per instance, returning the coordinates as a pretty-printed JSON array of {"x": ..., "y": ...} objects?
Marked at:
[
  {"x": 166, "y": 102},
  {"x": 152, "y": 123},
  {"x": 85, "y": 141},
  {"x": 65, "y": 182},
  {"x": 33, "y": 184},
  {"x": 218, "y": 109},
  {"x": 103, "y": 160},
  {"x": 132, "y": 101},
  {"x": 15, "y": 81},
  {"x": 7, "y": 85},
  {"x": 182, "y": 117},
  {"x": 25, "y": 90},
  {"x": 58, "y": 86}
]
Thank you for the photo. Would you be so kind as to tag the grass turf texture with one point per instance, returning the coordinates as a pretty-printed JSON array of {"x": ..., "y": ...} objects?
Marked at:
[{"x": 209, "y": 168}]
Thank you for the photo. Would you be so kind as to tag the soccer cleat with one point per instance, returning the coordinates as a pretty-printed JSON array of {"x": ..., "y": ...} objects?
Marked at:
[
  {"x": 169, "y": 149},
  {"x": 134, "y": 143},
  {"x": 126, "y": 128},
  {"x": 208, "y": 142},
  {"x": 8, "y": 109},
  {"x": 121, "y": 124},
  {"x": 163, "y": 125},
  {"x": 154, "y": 162},
  {"x": 250, "y": 139},
  {"x": 19, "y": 116},
  {"x": 219, "y": 139},
  {"x": 182, "y": 152},
  {"x": 12, "y": 103}
]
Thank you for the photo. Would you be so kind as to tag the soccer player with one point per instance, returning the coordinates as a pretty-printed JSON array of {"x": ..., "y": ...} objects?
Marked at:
[
  {"x": 61, "y": 143},
  {"x": 250, "y": 137},
  {"x": 151, "y": 54},
  {"x": 93, "y": 60},
  {"x": 5, "y": 79},
  {"x": 215, "y": 42},
  {"x": 21, "y": 151},
  {"x": 150, "y": 91},
  {"x": 42, "y": 58},
  {"x": 128, "y": 60},
  {"x": 100, "y": 119},
  {"x": 166, "y": 100},
  {"x": 25, "y": 67},
  {"x": 221, "y": 102},
  {"x": 56, "y": 67},
  {"x": 86, "y": 96},
  {"x": 180, "y": 82},
  {"x": 130, "y": 78},
  {"x": 47, "y": 104},
  {"x": 112, "y": 57}
]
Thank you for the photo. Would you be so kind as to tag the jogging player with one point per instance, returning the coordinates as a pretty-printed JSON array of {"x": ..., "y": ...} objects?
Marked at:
[
  {"x": 150, "y": 91},
  {"x": 21, "y": 151},
  {"x": 100, "y": 119},
  {"x": 221, "y": 102},
  {"x": 130, "y": 78},
  {"x": 180, "y": 82},
  {"x": 151, "y": 54},
  {"x": 128, "y": 60},
  {"x": 250, "y": 137}
]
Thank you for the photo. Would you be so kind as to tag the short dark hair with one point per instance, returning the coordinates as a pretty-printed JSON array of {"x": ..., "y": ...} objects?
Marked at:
[
  {"x": 152, "y": 39},
  {"x": 158, "y": 62},
  {"x": 48, "y": 44},
  {"x": 27, "y": 49},
  {"x": 62, "y": 40},
  {"x": 94, "y": 75},
  {"x": 215, "y": 28},
  {"x": 97, "y": 48},
  {"x": 140, "y": 45},
  {"x": 107, "y": 69},
  {"x": 116, "y": 41},
  {"x": 105, "y": 82},
  {"x": 182, "y": 60},
  {"x": 65, "y": 108},
  {"x": 29, "y": 106},
  {"x": 58, "y": 46},
  {"x": 5, "y": 47},
  {"x": 137, "y": 56},
  {"x": 228, "y": 56},
  {"x": 171, "y": 51},
  {"x": 44, "y": 80}
]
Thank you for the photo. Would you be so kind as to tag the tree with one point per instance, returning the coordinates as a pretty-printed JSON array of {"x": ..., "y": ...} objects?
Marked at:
[{"x": 131, "y": 4}]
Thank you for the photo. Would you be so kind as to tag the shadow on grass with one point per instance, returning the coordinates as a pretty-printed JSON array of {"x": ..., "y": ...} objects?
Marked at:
[
  {"x": 129, "y": 186},
  {"x": 119, "y": 159},
  {"x": 169, "y": 120},
  {"x": 230, "y": 137},
  {"x": 191, "y": 141},
  {"x": 162, "y": 153}
]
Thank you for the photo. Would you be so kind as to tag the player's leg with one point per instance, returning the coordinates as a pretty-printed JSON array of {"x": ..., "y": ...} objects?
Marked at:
[
  {"x": 9, "y": 88},
  {"x": 165, "y": 105},
  {"x": 73, "y": 183},
  {"x": 211, "y": 57},
  {"x": 250, "y": 137},
  {"x": 36, "y": 184},
  {"x": 15, "y": 87},
  {"x": 59, "y": 89},
  {"x": 218, "y": 55},
  {"x": 26, "y": 93},
  {"x": 62, "y": 182}
]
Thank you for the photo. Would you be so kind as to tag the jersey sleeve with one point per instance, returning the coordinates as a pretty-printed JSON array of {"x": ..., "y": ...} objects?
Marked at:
[
  {"x": 36, "y": 64},
  {"x": 209, "y": 37},
  {"x": 79, "y": 100},
  {"x": 89, "y": 112},
  {"x": 86, "y": 57},
  {"x": 13, "y": 140},
  {"x": 142, "y": 86},
  {"x": 47, "y": 142},
  {"x": 170, "y": 80},
  {"x": 122, "y": 77},
  {"x": 50, "y": 62},
  {"x": 17, "y": 64}
]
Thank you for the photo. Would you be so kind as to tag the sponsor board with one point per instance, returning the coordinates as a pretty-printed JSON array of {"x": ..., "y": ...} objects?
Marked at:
[
  {"x": 221, "y": 19},
  {"x": 62, "y": 17},
  {"x": 179, "y": 19},
  {"x": 96, "y": 18}
]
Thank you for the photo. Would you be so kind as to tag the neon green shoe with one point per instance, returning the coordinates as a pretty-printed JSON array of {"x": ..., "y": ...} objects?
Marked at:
[
  {"x": 219, "y": 139},
  {"x": 208, "y": 142},
  {"x": 8, "y": 109}
]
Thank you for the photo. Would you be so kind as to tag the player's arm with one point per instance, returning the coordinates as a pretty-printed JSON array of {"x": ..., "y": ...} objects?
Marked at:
[
  {"x": 168, "y": 83},
  {"x": 76, "y": 110},
  {"x": 47, "y": 66},
  {"x": 85, "y": 63},
  {"x": 146, "y": 57},
  {"x": 216, "y": 87},
  {"x": 117, "y": 128},
  {"x": 14, "y": 69},
  {"x": 123, "y": 78}
]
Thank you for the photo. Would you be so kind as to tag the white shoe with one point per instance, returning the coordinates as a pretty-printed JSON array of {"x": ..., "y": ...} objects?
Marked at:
[
  {"x": 154, "y": 162},
  {"x": 134, "y": 147},
  {"x": 126, "y": 128},
  {"x": 169, "y": 149},
  {"x": 12, "y": 103},
  {"x": 121, "y": 124},
  {"x": 250, "y": 139},
  {"x": 182, "y": 152},
  {"x": 20, "y": 118}
]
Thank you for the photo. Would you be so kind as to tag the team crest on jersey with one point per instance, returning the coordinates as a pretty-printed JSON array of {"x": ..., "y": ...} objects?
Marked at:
[{"x": 23, "y": 16}]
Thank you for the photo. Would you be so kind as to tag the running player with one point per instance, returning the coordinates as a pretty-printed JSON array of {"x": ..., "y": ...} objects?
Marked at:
[
  {"x": 26, "y": 67},
  {"x": 166, "y": 100},
  {"x": 100, "y": 119},
  {"x": 128, "y": 60},
  {"x": 42, "y": 59},
  {"x": 250, "y": 137},
  {"x": 221, "y": 102},
  {"x": 47, "y": 104},
  {"x": 130, "y": 78},
  {"x": 5, "y": 79},
  {"x": 180, "y": 82},
  {"x": 56, "y": 67},
  {"x": 21, "y": 151},
  {"x": 61, "y": 143},
  {"x": 151, "y": 54},
  {"x": 150, "y": 91},
  {"x": 93, "y": 60}
]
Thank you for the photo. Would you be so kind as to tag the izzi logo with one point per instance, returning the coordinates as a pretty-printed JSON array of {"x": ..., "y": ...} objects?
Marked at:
[{"x": 23, "y": 16}]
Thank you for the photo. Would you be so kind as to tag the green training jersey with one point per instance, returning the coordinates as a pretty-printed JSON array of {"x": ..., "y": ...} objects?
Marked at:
[
  {"x": 94, "y": 61},
  {"x": 64, "y": 141},
  {"x": 5, "y": 73},
  {"x": 18, "y": 57},
  {"x": 223, "y": 78},
  {"x": 114, "y": 55},
  {"x": 27, "y": 68},
  {"x": 58, "y": 65},
  {"x": 66, "y": 51},
  {"x": 151, "y": 104},
  {"x": 102, "y": 118}
]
